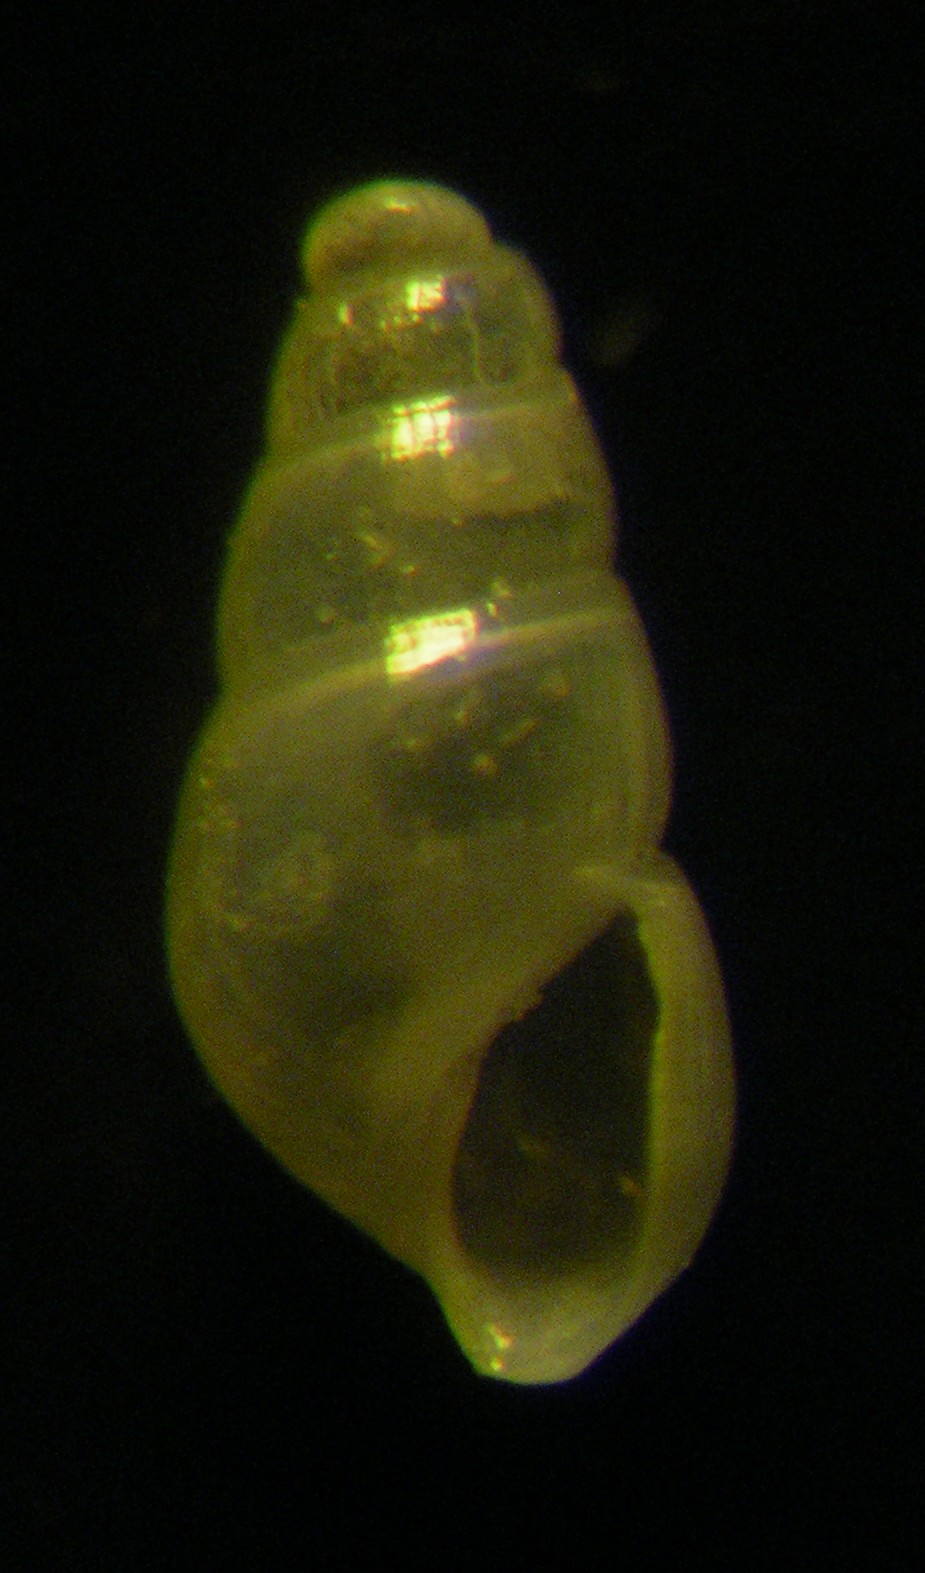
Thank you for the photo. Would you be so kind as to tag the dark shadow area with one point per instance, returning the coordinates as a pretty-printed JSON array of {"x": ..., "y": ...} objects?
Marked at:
[{"x": 552, "y": 1167}]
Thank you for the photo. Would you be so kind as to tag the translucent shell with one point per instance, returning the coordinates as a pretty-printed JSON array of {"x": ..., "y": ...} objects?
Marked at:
[{"x": 419, "y": 926}]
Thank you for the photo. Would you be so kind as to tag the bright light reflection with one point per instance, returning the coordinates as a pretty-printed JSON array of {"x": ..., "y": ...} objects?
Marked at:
[
  {"x": 425, "y": 295},
  {"x": 426, "y": 426},
  {"x": 423, "y": 641},
  {"x": 502, "y": 1342}
]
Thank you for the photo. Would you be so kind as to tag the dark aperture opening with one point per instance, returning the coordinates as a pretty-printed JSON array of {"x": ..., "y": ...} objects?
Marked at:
[{"x": 551, "y": 1170}]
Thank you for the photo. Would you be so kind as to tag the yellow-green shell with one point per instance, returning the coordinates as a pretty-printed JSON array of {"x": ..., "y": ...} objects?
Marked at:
[{"x": 419, "y": 926}]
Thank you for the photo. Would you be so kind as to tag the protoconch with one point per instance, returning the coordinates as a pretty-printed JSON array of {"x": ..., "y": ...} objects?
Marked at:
[{"x": 419, "y": 926}]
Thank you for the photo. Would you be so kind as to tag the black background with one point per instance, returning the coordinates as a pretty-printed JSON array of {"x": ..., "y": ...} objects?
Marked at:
[{"x": 206, "y": 1368}]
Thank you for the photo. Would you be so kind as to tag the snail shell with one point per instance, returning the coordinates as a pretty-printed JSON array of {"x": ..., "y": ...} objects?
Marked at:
[{"x": 419, "y": 926}]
